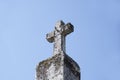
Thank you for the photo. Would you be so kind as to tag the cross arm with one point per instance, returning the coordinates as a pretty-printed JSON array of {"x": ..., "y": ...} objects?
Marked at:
[
  {"x": 50, "y": 37},
  {"x": 68, "y": 28}
]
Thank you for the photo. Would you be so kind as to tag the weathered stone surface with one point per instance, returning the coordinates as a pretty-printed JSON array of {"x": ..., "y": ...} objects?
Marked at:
[
  {"x": 71, "y": 69},
  {"x": 58, "y": 36},
  {"x": 58, "y": 67},
  {"x": 50, "y": 69}
]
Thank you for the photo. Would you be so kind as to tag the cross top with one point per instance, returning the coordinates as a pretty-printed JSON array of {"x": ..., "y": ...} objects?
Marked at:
[{"x": 58, "y": 36}]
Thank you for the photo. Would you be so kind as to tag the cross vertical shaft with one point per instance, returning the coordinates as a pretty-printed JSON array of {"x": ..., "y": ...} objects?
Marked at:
[{"x": 58, "y": 36}]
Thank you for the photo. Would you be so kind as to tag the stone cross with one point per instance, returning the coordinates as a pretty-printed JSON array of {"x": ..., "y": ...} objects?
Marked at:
[{"x": 58, "y": 36}]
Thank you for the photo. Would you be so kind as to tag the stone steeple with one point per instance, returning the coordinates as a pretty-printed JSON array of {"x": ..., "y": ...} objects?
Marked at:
[{"x": 60, "y": 66}]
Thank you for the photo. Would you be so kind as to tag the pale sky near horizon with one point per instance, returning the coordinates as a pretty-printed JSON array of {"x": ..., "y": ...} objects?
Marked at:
[{"x": 94, "y": 44}]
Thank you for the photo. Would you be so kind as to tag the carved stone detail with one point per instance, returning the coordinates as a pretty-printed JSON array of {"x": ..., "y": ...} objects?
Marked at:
[{"x": 58, "y": 36}]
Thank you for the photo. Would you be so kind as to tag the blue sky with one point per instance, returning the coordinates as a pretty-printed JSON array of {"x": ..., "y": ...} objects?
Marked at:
[{"x": 94, "y": 45}]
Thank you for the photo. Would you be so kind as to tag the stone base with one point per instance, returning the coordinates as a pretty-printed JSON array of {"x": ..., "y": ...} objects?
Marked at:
[{"x": 58, "y": 67}]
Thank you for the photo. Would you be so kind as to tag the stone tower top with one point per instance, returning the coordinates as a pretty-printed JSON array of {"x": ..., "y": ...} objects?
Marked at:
[
  {"x": 60, "y": 66},
  {"x": 58, "y": 36}
]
